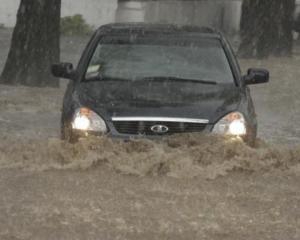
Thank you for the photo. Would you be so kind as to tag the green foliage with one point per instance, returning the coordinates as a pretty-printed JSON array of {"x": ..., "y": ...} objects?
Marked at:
[{"x": 74, "y": 25}]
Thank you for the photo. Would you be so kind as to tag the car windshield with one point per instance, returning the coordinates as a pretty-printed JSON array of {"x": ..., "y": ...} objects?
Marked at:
[{"x": 145, "y": 57}]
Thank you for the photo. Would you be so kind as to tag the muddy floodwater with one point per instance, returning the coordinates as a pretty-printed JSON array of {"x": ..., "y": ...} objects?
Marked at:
[{"x": 183, "y": 187}]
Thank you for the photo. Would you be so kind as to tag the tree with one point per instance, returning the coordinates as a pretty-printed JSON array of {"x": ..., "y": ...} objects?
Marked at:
[
  {"x": 35, "y": 44},
  {"x": 266, "y": 28}
]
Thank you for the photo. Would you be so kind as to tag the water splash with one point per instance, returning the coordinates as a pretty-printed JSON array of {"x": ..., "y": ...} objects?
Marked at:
[{"x": 184, "y": 156}]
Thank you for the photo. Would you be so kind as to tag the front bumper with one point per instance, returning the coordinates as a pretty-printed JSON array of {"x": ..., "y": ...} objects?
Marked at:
[
  {"x": 113, "y": 133},
  {"x": 249, "y": 138}
]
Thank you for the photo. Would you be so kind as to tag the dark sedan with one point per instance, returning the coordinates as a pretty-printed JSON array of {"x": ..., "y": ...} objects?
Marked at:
[{"x": 157, "y": 80}]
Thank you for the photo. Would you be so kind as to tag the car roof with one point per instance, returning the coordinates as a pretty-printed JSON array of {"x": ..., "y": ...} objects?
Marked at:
[{"x": 155, "y": 28}]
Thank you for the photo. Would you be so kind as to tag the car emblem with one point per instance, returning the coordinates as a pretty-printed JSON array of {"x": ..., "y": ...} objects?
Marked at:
[{"x": 159, "y": 129}]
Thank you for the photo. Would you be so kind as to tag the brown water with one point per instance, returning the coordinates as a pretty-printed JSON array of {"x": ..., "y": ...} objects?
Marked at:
[{"x": 185, "y": 156}]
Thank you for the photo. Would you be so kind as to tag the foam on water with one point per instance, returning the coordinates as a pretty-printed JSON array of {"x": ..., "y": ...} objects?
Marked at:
[{"x": 184, "y": 156}]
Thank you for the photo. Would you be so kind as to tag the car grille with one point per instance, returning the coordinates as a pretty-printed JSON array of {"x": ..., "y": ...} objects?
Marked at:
[{"x": 144, "y": 128}]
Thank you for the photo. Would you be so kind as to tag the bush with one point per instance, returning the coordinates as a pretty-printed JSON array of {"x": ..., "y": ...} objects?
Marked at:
[{"x": 74, "y": 25}]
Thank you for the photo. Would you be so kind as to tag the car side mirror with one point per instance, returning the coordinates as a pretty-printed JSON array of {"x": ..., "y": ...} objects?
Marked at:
[
  {"x": 63, "y": 70},
  {"x": 256, "y": 76}
]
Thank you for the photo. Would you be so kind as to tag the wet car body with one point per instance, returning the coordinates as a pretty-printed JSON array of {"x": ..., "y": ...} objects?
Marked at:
[{"x": 157, "y": 106}]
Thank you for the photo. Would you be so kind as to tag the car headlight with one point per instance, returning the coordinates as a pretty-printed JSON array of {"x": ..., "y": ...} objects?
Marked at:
[
  {"x": 232, "y": 124},
  {"x": 86, "y": 120}
]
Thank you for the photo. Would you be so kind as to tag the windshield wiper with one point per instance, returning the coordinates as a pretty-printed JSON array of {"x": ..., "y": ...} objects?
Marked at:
[
  {"x": 163, "y": 78},
  {"x": 155, "y": 78},
  {"x": 100, "y": 78}
]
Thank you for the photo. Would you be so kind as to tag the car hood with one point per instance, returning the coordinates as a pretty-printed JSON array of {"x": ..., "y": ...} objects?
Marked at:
[{"x": 179, "y": 100}]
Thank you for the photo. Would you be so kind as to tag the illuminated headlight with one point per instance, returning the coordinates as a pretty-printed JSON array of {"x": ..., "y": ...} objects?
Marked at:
[
  {"x": 81, "y": 123},
  {"x": 232, "y": 124},
  {"x": 86, "y": 120}
]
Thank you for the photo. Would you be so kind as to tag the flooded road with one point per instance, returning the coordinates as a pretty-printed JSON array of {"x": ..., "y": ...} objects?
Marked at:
[
  {"x": 188, "y": 187},
  {"x": 101, "y": 204}
]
